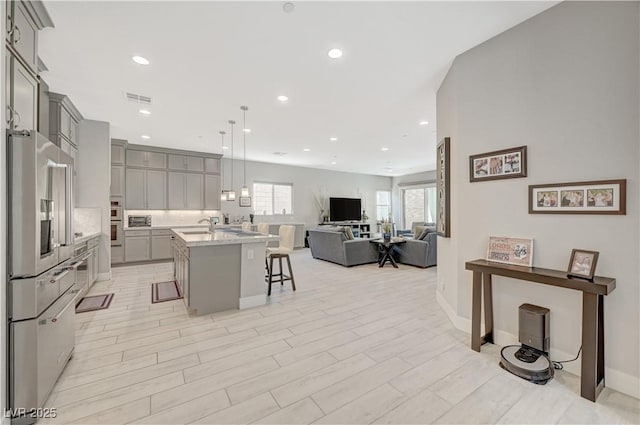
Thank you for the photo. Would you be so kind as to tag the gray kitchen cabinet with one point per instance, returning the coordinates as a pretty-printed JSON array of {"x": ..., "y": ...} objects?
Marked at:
[
  {"x": 135, "y": 198},
  {"x": 8, "y": 21},
  {"x": 136, "y": 158},
  {"x": 137, "y": 248},
  {"x": 73, "y": 132},
  {"x": 25, "y": 35},
  {"x": 156, "y": 160},
  {"x": 22, "y": 97},
  {"x": 211, "y": 192},
  {"x": 145, "y": 189},
  {"x": 145, "y": 159},
  {"x": 70, "y": 150},
  {"x": 186, "y": 162},
  {"x": 212, "y": 165},
  {"x": 65, "y": 123},
  {"x": 156, "y": 190},
  {"x": 117, "y": 154},
  {"x": 7, "y": 88},
  {"x": 117, "y": 180},
  {"x": 186, "y": 191},
  {"x": 160, "y": 247},
  {"x": 63, "y": 120}
]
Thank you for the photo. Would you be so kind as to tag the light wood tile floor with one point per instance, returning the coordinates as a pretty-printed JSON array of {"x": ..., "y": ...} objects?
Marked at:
[{"x": 352, "y": 346}]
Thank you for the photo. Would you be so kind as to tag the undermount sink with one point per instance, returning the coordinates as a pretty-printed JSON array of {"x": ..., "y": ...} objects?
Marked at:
[{"x": 197, "y": 232}]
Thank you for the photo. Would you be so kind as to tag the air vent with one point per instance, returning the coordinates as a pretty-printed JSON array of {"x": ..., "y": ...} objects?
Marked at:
[
  {"x": 138, "y": 98},
  {"x": 280, "y": 153}
]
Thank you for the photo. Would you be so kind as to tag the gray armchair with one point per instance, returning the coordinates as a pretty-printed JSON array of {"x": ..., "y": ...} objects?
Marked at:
[
  {"x": 421, "y": 253},
  {"x": 333, "y": 246},
  {"x": 412, "y": 231}
]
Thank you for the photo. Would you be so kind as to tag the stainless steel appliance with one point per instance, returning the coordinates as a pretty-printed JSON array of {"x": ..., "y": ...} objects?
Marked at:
[
  {"x": 116, "y": 222},
  {"x": 41, "y": 312},
  {"x": 139, "y": 221},
  {"x": 116, "y": 209}
]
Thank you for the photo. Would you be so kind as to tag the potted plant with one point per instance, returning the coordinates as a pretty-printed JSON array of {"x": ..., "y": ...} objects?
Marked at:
[{"x": 386, "y": 230}]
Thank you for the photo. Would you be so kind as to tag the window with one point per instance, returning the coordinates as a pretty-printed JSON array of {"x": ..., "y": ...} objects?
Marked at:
[
  {"x": 383, "y": 204},
  {"x": 419, "y": 204},
  {"x": 272, "y": 198}
]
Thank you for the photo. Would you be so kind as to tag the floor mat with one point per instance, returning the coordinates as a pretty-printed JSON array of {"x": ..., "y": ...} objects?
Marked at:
[
  {"x": 94, "y": 302},
  {"x": 165, "y": 291}
]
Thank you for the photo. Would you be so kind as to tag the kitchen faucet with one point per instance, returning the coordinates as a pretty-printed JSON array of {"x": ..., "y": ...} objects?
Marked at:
[{"x": 212, "y": 222}]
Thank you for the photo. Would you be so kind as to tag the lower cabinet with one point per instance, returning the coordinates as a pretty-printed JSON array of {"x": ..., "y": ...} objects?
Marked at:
[
  {"x": 137, "y": 247},
  {"x": 160, "y": 244},
  {"x": 181, "y": 270}
]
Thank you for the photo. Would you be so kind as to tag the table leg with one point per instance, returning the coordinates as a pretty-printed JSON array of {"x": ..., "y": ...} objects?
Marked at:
[
  {"x": 488, "y": 307},
  {"x": 592, "y": 372},
  {"x": 390, "y": 255},
  {"x": 476, "y": 339}
]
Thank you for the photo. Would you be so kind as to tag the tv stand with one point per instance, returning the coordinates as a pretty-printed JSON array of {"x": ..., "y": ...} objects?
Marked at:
[{"x": 363, "y": 228}]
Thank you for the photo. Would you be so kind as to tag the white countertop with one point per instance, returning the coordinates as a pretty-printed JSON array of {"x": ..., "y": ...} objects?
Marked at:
[
  {"x": 182, "y": 226},
  {"x": 82, "y": 239},
  {"x": 221, "y": 237}
]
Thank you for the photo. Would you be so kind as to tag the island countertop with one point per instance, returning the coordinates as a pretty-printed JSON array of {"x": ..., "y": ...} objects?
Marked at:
[{"x": 226, "y": 236}]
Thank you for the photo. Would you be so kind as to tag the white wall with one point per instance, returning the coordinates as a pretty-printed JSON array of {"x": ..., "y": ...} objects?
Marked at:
[
  {"x": 397, "y": 184},
  {"x": 564, "y": 83},
  {"x": 94, "y": 179}
]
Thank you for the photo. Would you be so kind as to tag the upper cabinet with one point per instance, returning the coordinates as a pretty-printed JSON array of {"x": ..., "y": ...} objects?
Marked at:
[
  {"x": 146, "y": 159},
  {"x": 186, "y": 163},
  {"x": 21, "y": 96},
  {"x": 24, "y": 19},
  {"x": 212, "y": 165},
  {"x": 64, "y": 118},
  {"x": 117, "y": 154}
]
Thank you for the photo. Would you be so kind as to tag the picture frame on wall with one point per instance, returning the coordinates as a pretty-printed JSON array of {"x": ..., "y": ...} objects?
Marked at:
[
  {"x": 506, "y": 250},
  {"x": 245, "y": 201},
  {"x": 443, "y": 186},
  {"x": 583, "y": 264},
  {"x": 497, "y": 165},
  {"x": 591, "y": 197}
]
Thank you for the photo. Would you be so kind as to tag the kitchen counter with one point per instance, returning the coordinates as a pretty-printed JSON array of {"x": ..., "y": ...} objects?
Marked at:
[
  {"x": 221, "y": 236},
  {"x": 182, "y": 226},
  {"x": 78, "y": 240}
]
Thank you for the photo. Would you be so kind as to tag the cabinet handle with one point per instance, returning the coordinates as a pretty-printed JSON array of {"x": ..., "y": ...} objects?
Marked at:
[
  {"x": 10, "y": 119},
  {"x": 17, "y": 40},
  {"x": 16, "y": 123}
]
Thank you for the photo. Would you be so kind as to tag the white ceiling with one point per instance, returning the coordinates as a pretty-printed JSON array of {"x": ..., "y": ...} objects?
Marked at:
[{"x": 208, "y": 58}]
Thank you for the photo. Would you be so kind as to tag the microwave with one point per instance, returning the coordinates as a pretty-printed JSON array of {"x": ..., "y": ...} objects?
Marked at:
[{"x": 139, "y": 221}]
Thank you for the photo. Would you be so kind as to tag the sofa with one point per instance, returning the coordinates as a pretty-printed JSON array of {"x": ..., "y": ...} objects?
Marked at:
[
  {"x": 332, "y": 245},
  {"x": 420, "y": 253}
]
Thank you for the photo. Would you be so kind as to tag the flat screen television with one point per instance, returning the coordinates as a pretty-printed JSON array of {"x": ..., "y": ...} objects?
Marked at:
[{"x": 345, "y": 209}]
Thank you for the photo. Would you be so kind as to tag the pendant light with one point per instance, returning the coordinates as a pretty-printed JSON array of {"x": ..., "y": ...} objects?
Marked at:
[
  {"x": 231, "y": 194},
  {"x": 244, "y": 192},
  {"x": 223, "y": 194}
]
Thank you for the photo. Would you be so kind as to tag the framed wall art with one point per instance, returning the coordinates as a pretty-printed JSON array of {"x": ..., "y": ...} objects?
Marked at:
[
  {"x": 443, "y": 158},
  {"x": 592, "y": 197},
  {"x": 245, "y": 201},
  {"x": 504, "y": 164},
  {"x": 582, "y": 264},
  {"x": 516, "y": 251}
]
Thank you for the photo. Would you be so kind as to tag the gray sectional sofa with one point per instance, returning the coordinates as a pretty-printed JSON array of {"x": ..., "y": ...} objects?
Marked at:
[
  {"x": 421, "y": 253},
  {"x": 332, "y": 245}
]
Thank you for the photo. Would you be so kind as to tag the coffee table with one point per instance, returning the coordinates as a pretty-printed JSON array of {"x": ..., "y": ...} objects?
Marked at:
[{"x": 385, "y": 248}]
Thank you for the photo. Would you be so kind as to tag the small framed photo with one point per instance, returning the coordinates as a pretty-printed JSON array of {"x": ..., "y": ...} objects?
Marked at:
[
  {"x": 504, "y": 164},
  {"x": 583, "y": 264},
  {"x": 245, "y": 201}
]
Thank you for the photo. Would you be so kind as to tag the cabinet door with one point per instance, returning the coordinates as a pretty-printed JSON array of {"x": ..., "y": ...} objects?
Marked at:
[
  {"x": 137, "y": 248},
  {"x": 136, "y": 158},
  {"x": 176, "y": 162},
  {"x": 194, "y": 191},
  {"x": 25, "y": 36},
  {"x": 9, "y": 21},
  {"x": 7, "y": 86},
  {"x": 156, "y": 160},
  {"x": 117, "y": 155},
  {"x": 212, "y": 165},
  {"x": 73, "y": 153},
  {"x": 193, "y": 163},
  {"x": 135, "y": 189},
  {"x": 176, "y": 190},
  {"x": 117, "y": 180},
  {"x": 73, "y": 132},
  {"x": 212, "y": 192},
  {"x": 65, "y": 123},
  {"x": 160, "y": 247},
  {"x": 156, "y": 190},
  {"x": 25, "y": 98}
]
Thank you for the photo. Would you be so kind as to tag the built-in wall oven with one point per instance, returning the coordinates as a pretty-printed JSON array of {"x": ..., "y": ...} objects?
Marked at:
[
  {"x": 116, "y": 222},
  {"x": 41, "y": 312}
]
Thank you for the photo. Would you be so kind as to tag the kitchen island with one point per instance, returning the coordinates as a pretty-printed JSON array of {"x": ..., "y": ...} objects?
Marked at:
[{"x": 220, "y": 270}]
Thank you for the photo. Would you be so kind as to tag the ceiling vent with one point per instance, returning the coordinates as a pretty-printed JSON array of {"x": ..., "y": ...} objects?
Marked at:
[
  {"x": 280, "y": 153},
  {"x": 138, "y": 98}
]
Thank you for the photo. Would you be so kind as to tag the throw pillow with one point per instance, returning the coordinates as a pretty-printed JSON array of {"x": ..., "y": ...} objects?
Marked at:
[
  {"x": 418, "y": 231},
  {"x": 348, "y": 232},
  {"x": 424, "y": 234}
]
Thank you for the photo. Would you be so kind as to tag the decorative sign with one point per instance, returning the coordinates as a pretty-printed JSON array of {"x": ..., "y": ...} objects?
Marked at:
[
  {"x": 594, "y": 197},
  {"x": 505, "y": 164},
  {"x": 443, "y": 224},
  {"x": 516, "y": 251}
]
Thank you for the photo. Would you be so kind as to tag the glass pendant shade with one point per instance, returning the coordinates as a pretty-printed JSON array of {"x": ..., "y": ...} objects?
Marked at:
[
  {"x": 244, "y": 192},
  {"x": 231, "y": 195},
  {"x": 223, "y": 196}
]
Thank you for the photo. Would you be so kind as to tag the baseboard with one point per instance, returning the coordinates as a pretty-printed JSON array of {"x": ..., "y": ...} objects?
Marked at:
[
  {"x": 254, "y": 301},
  {"x": 103, "y": 276},
  {"x": 619, "y": 381}
]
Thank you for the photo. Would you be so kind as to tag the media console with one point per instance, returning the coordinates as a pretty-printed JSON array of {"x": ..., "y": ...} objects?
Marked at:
[{"x": 363, "y": 228}]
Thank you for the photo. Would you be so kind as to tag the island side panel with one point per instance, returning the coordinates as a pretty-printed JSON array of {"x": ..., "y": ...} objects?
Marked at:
[
  {"x": 252, "y": 286},
  {"x": 214, "y": 281}
]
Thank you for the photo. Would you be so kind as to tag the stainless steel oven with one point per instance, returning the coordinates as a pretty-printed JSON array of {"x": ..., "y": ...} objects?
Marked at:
[
  {"x": 116, "y": 233},
  {"x": 139, "y": 221},
  {"x": 116, "y": 209}
]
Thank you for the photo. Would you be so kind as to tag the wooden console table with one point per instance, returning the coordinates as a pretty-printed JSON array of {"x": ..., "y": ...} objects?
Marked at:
[{"x": 592, "y": 369}]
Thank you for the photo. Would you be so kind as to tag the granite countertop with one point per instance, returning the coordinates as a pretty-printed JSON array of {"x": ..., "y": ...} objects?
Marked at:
[
  {"x": 221, "y": 237},
  {"x": 82, "y": 239}
]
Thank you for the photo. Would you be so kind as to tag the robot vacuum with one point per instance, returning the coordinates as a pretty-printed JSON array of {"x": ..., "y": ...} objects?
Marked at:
[{"x": 527, "y": 363}]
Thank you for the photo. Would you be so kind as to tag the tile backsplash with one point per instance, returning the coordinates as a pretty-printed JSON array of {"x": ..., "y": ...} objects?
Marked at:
[{"x": 87, "y": 220}]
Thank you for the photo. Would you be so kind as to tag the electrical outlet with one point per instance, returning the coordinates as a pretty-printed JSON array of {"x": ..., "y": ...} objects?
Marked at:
[{"x": 250, "y": 254}]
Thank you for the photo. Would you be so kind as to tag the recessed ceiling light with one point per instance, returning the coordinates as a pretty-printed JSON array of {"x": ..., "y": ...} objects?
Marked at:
[
  {"x": 140, "y": 60},
  {"x": 335, "y": 53},
  {"x": 282, "y": 98},
  {"x": 146, "y": 137},
  {"x": 333, "y": 139},
  {"x": 145, "y": 112},
  {"x": 333, "y": 163},
  {"x": 385, "y": 149},
  {"x": 288, "y": 7},
  {"x": 423, "y": 123},
  {"x": 306, "y": 150},
  {"x": 246, "y": 130}
]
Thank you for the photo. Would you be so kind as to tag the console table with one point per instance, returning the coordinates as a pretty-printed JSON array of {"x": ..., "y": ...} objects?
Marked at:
[{"x": 592, "y": 368}]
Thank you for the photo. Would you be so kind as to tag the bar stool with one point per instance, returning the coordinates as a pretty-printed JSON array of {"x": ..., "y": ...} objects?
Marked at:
[
  {"x": 246, "y": 226},
  {"x": 263, "y": 228},
  {"x": 285, "y": 247}
]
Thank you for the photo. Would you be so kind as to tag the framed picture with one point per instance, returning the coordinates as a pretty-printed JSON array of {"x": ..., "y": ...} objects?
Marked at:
[
  {"x": 245, "y": 201},
  {"x": 594, "y": 197},
  {"x": 516, "y": 251},
  {"x": 504, "y": 164},
  {"x": 582, "y": 264},
  {"x": 443, "y": 158}
]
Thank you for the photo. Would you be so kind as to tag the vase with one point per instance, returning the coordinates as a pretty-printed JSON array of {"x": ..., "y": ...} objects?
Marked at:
[
  {"x": 322, "y": 216},
  {"x": 386, "y": 237}
]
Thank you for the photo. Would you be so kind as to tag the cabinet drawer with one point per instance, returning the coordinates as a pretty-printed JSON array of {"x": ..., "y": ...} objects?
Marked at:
[
  {"x": 161, "y": 232},
  {"x": 129, "y": 233}
]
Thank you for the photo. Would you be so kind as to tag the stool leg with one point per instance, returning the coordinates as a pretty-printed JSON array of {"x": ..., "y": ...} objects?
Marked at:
[
  {"x": 281, "y": 271},
  {"x": 270, "y": 274},
  {"x": 293, "y": 282}
]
